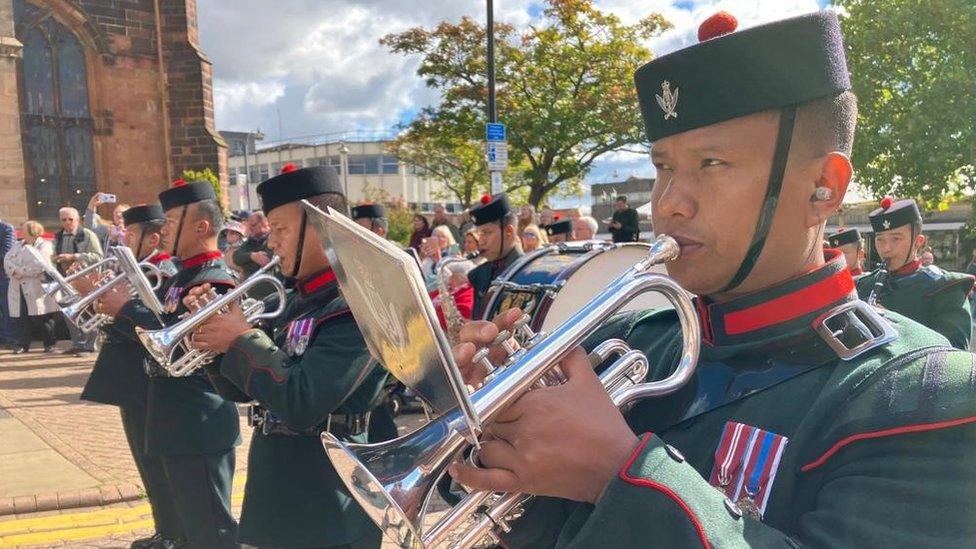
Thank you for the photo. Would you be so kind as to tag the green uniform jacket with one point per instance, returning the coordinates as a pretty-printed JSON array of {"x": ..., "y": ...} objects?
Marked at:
[
  {"x": 481, "y": 277},
  {"x": 185, "y": 414},
  {"x": 879, "y": 453},
  {"x": 293, "y": 496},
  {"x": 930, "y": 296},
  {"x": 118, "y": 377}
]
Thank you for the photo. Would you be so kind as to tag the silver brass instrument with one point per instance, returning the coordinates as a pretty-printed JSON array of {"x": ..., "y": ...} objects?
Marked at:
[
  {"x": 170, "y": 346},
  {"x": 62, "y": 283},
  {"x": 82, "y": 311},
  {"x": 393, "y": 481},
  {"x": 452, "y": 316}
]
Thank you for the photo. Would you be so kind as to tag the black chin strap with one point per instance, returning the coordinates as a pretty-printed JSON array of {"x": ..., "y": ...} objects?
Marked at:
[
  {"x": 179, "y": 231},
  {"x": 142, "y": 236},
  {"x": 787, "y": 120},
  {"x": 301, "y": 245}
]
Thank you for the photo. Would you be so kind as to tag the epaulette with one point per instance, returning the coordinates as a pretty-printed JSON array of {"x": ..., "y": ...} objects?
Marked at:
[{"x": 954, "y": 281}]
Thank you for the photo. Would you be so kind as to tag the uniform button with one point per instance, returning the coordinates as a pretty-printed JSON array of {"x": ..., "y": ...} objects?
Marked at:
[
  {"x": 733, "y": 509},
  {"x": 674, "y": 453}
]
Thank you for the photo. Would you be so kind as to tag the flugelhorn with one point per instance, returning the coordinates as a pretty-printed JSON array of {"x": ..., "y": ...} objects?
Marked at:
[
  {"x": 83, "y": 312},
  {"x": 452, "y": 315},
  {"x": 170, "y": 346},
  {"x": 393, "y": 481}
]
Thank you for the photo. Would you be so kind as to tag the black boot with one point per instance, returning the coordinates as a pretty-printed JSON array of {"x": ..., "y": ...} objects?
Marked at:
[{"x": 146, "y": 543}]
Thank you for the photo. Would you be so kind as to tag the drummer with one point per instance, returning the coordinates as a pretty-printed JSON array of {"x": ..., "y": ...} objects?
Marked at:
[
  {"x": 497, "y": 227},
  {"x": 561, "y": 230}
]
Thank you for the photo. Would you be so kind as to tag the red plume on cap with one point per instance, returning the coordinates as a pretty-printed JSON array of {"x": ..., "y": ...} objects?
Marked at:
[
  {"x": 886, "y": 202},
  {"x": 288, "y": 168},
  {"x": 717, "y": 25},
  {"x": 485, "y": 198},
  {"x": 179, "y": 182},
  {"x": 556, "y": 217}
]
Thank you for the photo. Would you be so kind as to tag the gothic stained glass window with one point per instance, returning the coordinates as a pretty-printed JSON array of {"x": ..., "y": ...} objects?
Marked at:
[{"x": 55, "y": 113}]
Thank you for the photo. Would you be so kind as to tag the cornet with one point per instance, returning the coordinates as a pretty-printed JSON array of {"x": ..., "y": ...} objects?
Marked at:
[
  {"x": 63, "y": 283},
  {"x": 82, "y": 311},
  {"x": 163, "y": 345},
  {"x": 393, "y": 481}
]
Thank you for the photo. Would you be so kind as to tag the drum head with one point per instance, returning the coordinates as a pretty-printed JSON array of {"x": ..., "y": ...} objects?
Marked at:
[{"x": 593, "y": 276}]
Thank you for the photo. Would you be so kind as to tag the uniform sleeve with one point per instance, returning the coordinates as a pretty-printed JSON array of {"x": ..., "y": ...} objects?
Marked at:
[
  {"x": 301, "y": 391},
  {"x": 951, "y": 312},
  {"x": 134, "y": 313}
]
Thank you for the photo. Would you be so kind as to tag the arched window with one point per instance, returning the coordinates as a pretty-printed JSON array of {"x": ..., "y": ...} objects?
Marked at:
[{"x": 55, "y": 116}]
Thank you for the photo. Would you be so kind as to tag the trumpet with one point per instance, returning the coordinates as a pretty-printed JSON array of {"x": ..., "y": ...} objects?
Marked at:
[
  {"x": 170, "y": 346},
  {"x": 393, "y": 481},
  {"x": 82, "y": 310}
]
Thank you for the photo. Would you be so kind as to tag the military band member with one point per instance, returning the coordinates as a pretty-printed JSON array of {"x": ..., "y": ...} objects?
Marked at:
[
  {"x": 310, "y": 374},
  {"x": 561, "y": 230},
  {"x": 926, "y": 294},
  {"x": 118, "y": 379},
  {"x": 850, "y": 243},
  {"x": 783, "y": 438},
  {"x": 498, "y": 241},
  {"x": 190, "y": 428},
  {"x": 371, "y": 216}
]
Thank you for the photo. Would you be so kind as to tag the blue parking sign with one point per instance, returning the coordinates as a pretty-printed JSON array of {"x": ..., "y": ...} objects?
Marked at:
[{"x": 494, "y": 132}]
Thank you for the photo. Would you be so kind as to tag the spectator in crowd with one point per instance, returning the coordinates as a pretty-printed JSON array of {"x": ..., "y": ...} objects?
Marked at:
[
  {"x": 926, "y": 256},
  {"x": 526, "y": 217},
  {"x": 109, "y": 234},
  {"x": 8, "y": 339},
  {"x": 26, "y": 299},
  {"x": 624, "y": 226},
  {"x": 533, "y": 238},
  {"x": 233, "y": 235},
  {"x": 971, "y": 268},
  {"x": 470, "y": 244},
  {"x": 586, "y": 228},
  {"x": 421, "y": 230},
  {"x": 253, "y": 253},
  {"x": 74, "y": 243},
  {"x": 546, "y": 218},
  {"x": 439, "y": 246},
  {"x": 461, "y": 291},
  {"x": 441, "y": 220},
  {"x": 467, "y": 224}
]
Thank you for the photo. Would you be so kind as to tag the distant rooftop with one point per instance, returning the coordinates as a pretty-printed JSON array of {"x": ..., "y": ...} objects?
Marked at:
[{"x": 291, "y": 143}]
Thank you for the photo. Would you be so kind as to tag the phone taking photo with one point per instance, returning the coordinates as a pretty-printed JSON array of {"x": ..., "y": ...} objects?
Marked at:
[{"x": 109, "y": 198}]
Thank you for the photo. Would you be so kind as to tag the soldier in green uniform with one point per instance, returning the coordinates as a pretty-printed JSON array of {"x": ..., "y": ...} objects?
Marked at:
[
  {"x": 561, "y": 231},
  {"x": 807, "y": 423},
  {"x": 926, "y": 294},
  {"x": 498, "y": 242},
  {"x": 190, "y": 428},
  {"x": 118, "y": 379},
  {"x": 310, "y": 373},
  {"x": 850, "y": 243}
]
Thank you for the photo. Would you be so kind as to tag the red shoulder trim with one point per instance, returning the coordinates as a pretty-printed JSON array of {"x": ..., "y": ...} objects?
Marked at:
[
  {"x": 905, "y": 429},
  {"x": 645, "y": 483}
]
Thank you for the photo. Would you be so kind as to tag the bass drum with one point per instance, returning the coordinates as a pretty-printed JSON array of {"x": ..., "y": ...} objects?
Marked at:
[{"x": 552, "y": 283}]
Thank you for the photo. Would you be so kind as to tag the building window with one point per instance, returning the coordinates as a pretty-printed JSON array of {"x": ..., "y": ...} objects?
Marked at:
[
  {"x": 333, "y": 161},
  {"x": 390, "y": 165},
  {"x": 259, "y": 173},
  {"x": 55, "y": 116}
]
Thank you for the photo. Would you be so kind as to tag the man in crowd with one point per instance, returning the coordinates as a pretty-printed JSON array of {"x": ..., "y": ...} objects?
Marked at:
[
  {"x": 371, "y": 216},
  {"x": 76, "y": 244},
  {"x": 926, "y": 294},
  {"x": 254, "y": 254},
  {"x": 585, "y": 228},
  {"x": 310, "y": 374},
  {"x": 8, "y": 337},
  {"x": 624, "y": 226},
  {"x": 190, "y": 428},
  {"x": 546, "y": 218},
  {"x": 561, "y": 230},
  {"x": 498, "y": 241},
  {"x": 108, "y": 235},
  {"x": 804, "y": 424},
  {"x": 118, "y": 379},
  {"x": 440, "y": 218},
  {"x": 850, "y": 243}
]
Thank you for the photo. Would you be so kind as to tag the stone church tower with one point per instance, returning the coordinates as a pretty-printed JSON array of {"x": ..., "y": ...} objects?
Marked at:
[{"x": 100, "y": 95}]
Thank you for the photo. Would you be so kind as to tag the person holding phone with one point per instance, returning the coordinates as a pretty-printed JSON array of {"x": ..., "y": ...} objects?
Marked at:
[{"x": 112, "y": 234}]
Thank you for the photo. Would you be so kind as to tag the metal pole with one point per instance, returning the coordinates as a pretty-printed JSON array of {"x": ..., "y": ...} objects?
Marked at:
[{"x": 492, "y": 110}]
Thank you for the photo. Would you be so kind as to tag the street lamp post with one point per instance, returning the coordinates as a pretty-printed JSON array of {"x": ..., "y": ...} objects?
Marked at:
[{"x": 344, "y": 166}]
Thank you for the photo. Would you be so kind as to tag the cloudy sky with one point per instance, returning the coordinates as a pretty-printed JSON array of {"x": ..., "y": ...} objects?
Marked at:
[{"x": 315, "y": 67}]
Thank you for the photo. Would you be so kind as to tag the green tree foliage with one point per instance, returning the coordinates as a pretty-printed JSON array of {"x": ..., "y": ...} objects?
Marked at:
[
  {"x": 209, "y": 176},
  {"x": 912, "y": 66},
  {"x": 564, "y": 87}
]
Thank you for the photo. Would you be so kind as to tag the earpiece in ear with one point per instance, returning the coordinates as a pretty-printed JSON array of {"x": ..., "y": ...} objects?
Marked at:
[{"x": 821, "y": 194}]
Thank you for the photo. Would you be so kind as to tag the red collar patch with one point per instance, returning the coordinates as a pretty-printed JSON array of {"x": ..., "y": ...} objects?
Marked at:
[
  {"x": 907, "y": 268},
  {"x": 159, "y": 257},
  {"x": 783, "y": 309},
  {"x": 313, "y": 283},
  {"x": 200, "y": 259}
]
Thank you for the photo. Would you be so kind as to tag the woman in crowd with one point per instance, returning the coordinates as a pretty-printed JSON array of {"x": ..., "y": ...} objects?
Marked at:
[
  {"x": 439, "y": 246},
  {"x": 471, "y": 243},
  {"x": 421, "y": 230},
  {"x": 533, "y": 238},
  {"x": 233, "y": 235},
  {"x": 25, "y": 295},
  {"x": 461, "y": 291}
]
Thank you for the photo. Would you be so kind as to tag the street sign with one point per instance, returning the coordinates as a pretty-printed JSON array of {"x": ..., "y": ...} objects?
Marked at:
[
  {"x": 497, "y": 155},
  {"x": 496, "y": 182},
  {"x": 494, "y": 132}
]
